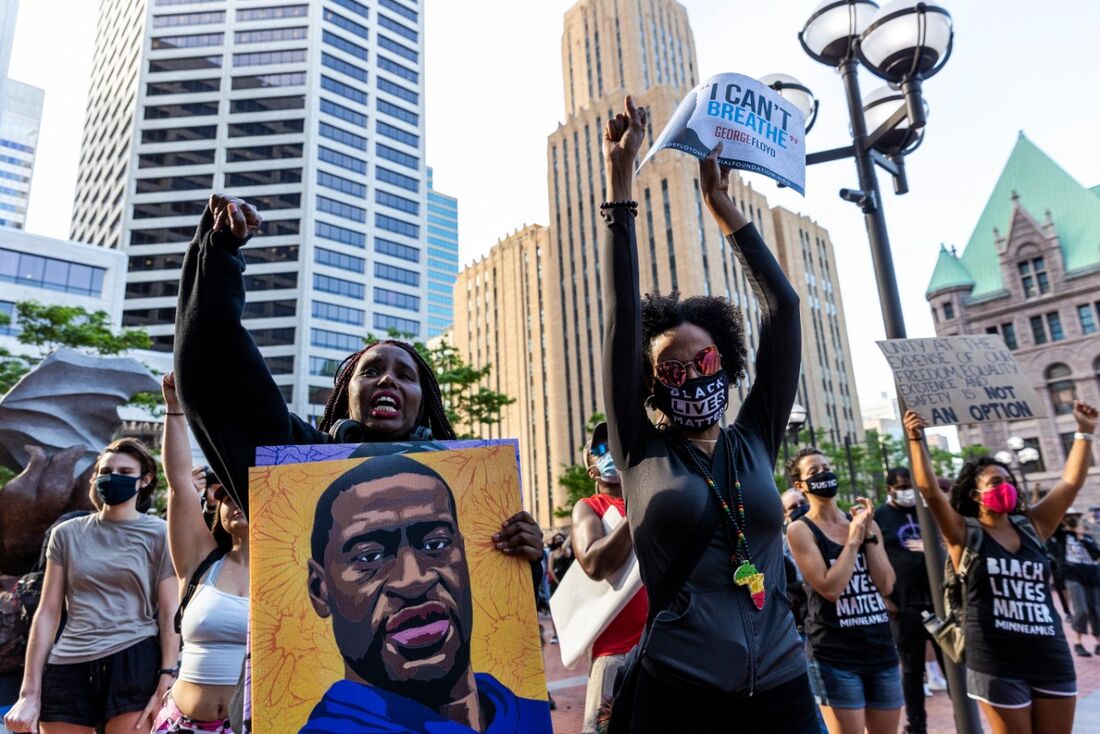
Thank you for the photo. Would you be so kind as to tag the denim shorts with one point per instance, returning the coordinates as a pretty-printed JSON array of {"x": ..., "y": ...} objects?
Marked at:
[
  {"x": 1014, "y": 693},
  {"x": 845, "y": 689}
]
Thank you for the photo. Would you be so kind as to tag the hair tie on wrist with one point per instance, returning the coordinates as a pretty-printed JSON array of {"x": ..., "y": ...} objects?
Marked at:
[{"x": 623, "y": 204}]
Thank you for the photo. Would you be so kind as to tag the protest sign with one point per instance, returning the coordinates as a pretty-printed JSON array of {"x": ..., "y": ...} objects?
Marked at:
[
  {"x": 379, "y": 598},
  {"x": 760, "y": 131},
  {"x": 961, "y": 379}
]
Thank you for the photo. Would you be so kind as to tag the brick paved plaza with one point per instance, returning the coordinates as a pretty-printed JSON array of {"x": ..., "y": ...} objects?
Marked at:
[{"x": 567, "y": 686}]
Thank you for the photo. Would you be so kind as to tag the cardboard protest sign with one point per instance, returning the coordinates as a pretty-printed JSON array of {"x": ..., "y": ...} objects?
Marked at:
[
  {"x": 379, "y": 601},
  {"x": 961, "y": 379},
  {"x": 760, "y": 131}
]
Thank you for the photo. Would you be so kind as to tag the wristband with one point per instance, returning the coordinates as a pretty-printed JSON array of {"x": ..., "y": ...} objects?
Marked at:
[
  {"x": 628, "y": 204},
  {"x": 174, "y": 672},
  {"x": 625, "y": 203},
  {"x": 1079, "y": 436},
  {"x": 171, "y": 413}
]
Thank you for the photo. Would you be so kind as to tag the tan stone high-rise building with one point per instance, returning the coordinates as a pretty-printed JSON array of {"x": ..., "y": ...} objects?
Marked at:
[
  {"x": 549, "y": 358},
  {"x": 827, "y": 388},
  {"x": 499, "y": 313},
  {"x": 679, "y": 245}
]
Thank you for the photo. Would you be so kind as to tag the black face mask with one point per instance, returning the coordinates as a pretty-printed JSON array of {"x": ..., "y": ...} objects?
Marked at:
[
  {"x": 114, "y": 489},
  {"x": 823, "y": 484},
  {"x": 695, "y": 405}
]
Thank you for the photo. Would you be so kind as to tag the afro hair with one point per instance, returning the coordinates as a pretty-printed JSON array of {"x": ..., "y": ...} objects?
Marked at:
[{"x": 720, "y": 318}]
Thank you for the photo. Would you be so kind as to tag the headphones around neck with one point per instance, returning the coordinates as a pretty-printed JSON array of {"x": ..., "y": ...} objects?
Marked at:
[{"x": 347, "y": 430}]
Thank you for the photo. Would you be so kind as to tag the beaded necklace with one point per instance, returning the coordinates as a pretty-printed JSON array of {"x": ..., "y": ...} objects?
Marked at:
[{"x": 745, "y": 572}]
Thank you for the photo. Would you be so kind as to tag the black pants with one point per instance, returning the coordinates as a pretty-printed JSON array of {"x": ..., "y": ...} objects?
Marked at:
[
  {"x": 660, "y": 708},
  {"x": 911, "y": 636}
]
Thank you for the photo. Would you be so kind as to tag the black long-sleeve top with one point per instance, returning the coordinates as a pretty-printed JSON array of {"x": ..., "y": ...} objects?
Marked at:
[
  {"x": 230, "y": 399},
  {"x": 713, "y": 635}
]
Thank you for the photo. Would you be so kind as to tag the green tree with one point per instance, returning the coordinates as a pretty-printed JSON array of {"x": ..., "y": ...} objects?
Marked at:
[
  {"x": 870, "y": 461},
  {"x": 471, "y": 407},
  {"x": 574, "y": 477},
  {"x": 47, "y": 328},
  {"x": 50, "y": 327}
]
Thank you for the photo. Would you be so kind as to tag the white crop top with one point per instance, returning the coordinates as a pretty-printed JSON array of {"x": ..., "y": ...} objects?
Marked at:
[{"x": 214, "y": 630}]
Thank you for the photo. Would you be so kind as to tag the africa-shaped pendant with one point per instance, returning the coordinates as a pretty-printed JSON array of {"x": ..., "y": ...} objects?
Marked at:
[{"x": 747, "y": 575}]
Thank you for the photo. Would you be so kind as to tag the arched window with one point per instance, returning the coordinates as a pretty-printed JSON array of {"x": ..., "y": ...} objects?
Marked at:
[
  {"x": 1062, "y": 389},
  {"x": 1033, "y": 276}
]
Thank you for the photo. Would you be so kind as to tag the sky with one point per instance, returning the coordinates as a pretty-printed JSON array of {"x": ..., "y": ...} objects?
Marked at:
[{"x": 494, "y": 93}]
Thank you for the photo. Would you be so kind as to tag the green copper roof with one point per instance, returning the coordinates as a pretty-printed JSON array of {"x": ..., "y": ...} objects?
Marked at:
[
  {"x": 949, "y": 272},
  {"x": 1041, "y": 184}
]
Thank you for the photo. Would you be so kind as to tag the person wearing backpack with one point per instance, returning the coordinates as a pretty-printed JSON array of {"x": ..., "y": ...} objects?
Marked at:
[
  {"x": 1019, "y": 666},
  {"x": 211, "y": 565}
]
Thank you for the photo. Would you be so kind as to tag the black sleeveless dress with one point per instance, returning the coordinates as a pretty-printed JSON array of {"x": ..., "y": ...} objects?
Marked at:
[
  {"x": 1012, "y": 630},
  {"x": 852, "y": 633}
]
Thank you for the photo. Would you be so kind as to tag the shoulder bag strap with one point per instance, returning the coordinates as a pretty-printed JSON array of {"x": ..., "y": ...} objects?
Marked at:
[{"x": 193, "y": 584}]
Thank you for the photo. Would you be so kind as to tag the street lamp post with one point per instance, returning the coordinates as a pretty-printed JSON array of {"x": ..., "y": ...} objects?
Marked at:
[
  {"x": 795, "y": 422},
  {"x": 904, "y": 43},
  {"x": 1018, "y": 455}
]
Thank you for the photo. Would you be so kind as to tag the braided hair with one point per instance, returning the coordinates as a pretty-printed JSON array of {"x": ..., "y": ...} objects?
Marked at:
[
  {"x": 967, "y": 481},
  {"x": 432, "y": 413}
]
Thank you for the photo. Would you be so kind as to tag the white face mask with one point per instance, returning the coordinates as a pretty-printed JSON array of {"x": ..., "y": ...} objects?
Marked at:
[{"x": 905, "y": 497}]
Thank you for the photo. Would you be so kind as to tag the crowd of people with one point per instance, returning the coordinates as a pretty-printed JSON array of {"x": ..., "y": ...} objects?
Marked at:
[{"x": 757, "y": 611}]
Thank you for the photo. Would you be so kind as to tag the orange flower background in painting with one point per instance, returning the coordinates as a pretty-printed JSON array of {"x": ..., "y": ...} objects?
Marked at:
[{"x": 294, "y": 657}]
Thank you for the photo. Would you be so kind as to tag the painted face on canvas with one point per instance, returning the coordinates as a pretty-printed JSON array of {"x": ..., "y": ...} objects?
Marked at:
[{"x": 397, "y": 584}]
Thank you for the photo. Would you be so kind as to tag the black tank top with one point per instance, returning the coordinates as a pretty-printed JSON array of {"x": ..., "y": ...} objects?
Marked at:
[
  {"x": 1012, "y": 630},
  {"x": 852, "y": 633}
]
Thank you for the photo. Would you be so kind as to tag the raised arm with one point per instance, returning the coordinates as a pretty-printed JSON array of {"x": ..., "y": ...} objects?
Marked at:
[
  {"x": 1047, "y": 513},
  {"x": 952, "y": 525},
  {"x": 232, "y": 403},
  {"x": 189, "y": 540},
  {"x": 767, "y": 407},
  {"x": 623, "y": 381}
]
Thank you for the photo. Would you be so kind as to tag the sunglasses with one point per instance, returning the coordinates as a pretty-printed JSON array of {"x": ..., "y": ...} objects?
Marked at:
[
  {"x": 673, "y": 372},
  {"x": 599, "y": 449}
]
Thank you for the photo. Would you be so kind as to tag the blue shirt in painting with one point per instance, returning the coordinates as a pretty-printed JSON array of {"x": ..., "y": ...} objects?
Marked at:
[{"x": 354, "y": 708}]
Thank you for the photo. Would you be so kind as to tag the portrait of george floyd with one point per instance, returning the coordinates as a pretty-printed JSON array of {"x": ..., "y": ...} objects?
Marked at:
[{"x": 379, "y": 602}]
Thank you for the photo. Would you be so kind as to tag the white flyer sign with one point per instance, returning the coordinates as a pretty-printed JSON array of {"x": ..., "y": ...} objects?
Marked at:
[{"x": 760, "y": 131}]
